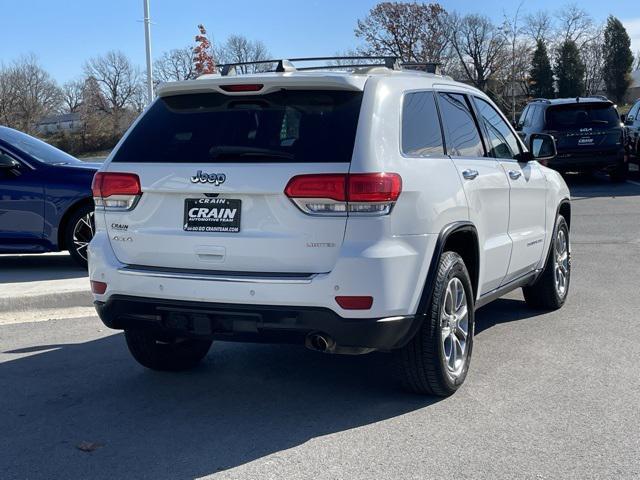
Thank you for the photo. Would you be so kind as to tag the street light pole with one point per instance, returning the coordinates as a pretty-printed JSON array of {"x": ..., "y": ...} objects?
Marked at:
[{"x": 147, "y": 38}]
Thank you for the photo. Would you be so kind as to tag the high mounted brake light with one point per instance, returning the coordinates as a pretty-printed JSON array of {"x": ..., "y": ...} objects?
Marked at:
[
  {"x": 342, "y": 194},
  {"x": 242, "y": 87},
  {"x": 116, "y": 190}
]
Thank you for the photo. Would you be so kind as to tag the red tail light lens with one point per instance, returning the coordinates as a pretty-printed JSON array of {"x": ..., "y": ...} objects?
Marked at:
[
  {"x": 339, "y": 193},
  {"x": 318, "y": 186},
  {"x": 116, "y": 190},
  {"x": 374, "y": 187},
  {"x": 355, "y": 303},
  {"x": 244, "y": 87}
]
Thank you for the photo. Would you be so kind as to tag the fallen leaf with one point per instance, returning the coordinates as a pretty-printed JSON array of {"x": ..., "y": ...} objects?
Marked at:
[{"x": 89, "y": 446}]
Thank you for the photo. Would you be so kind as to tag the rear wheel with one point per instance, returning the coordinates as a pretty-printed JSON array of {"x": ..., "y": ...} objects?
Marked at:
[
  {"x": 620, "y": 172},
  {"x": 165, "y": 353},
  {"x": 552, "y": 287},
  {"x": 79, "y": 232},
  {"x": 437, "y": 359}
]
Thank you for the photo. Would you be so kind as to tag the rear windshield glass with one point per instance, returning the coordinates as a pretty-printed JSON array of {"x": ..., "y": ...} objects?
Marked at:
[
  {"x": 284, "y": 126},
  {"x": 575, "y": 115}
]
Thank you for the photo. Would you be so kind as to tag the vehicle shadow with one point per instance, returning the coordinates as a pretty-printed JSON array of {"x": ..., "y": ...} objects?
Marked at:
[
  {"x": 503, "y": 310},
  {"x": 246, "y": 402},
  {"x": 599, "y": 185},
  {"x": 31, "y": 268}
]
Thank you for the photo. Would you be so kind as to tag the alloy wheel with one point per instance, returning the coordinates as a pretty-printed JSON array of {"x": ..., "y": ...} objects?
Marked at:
[
  {"x": 83, "y": 233},
  {"x": 454, "y": 328}
]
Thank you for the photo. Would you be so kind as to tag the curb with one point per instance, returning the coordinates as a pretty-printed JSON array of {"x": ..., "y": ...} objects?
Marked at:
[{"x": 58, "y": 300}]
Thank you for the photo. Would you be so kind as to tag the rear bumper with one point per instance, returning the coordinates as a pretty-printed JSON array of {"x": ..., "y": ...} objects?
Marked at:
[
  {"x": 256, "y": 323},
  {"x": 586, "y": 160}
]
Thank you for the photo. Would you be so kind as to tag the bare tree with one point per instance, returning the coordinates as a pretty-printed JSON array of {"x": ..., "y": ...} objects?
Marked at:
[
  {"x": 414, "y": 32},
  {"x": 72, "y": 92},
  {"x": 118, "y": 80},
  {"x": 592, "y": 55},
  {"x": 576, "y": 25},
  {"x": 513, "y": 29},
  {"x": 538, "y": 26},
  {"x": 480, "y": 46},
  {"x": 27, "y": 93},
  {"x": 238, "y": 49},
  {"x": 174, "y": 65},
  {"x": 636, "y": 62}
]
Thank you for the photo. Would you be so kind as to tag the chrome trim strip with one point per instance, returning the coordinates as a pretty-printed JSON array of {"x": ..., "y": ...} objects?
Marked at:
[{"x": 214, "y": 277}]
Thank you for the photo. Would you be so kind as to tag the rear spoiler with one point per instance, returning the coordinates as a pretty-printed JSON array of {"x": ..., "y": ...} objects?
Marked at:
[{"x": 270, "y": 83}]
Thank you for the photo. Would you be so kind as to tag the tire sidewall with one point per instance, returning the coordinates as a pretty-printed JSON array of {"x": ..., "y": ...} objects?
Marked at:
[{"x": 455, "y": 267}]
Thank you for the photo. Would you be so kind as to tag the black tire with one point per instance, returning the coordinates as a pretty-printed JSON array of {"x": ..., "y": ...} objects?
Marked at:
[
  {"x": 422, "y": 363},
  {"x": 165, "y": 353},
  {"x": 620, "y": 172},
  {"x": 545, "y": 293},
  {"x": 77, "y": 234}
]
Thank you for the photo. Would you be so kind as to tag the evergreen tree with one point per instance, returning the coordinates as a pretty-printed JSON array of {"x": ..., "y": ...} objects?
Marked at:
[
  {"x": 541, "y": 75},
  {"x": 617, "y": 59},
  {"x": 569, "y": 70}
]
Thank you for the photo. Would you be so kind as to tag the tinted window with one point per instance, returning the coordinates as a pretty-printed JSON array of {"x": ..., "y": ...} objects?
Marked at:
[
  {"x": 522, "y": 122},
  {"x": 285, "y": 126},
  {"x": 633, "y": 113},
  {"x": 576, "y": 115},
  {"x": 36, "y": 148},
  {"x": 463, "y": 138},
  {"x": 503, "y": 141},
  {"x": 421, "y": 133}
]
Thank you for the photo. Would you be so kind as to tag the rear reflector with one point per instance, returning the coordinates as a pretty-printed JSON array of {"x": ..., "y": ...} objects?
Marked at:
[
  {"x": 243, "y": 87},
  {"x": 116, "y": 190},
  {"x": 339, "y": 193},
  {"x": 98, "y": 287},
  {"x": 355, "y": 303}
]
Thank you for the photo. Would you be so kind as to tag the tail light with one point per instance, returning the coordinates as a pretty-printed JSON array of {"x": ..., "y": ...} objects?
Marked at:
[
  {"x": 342, "y": 194},
  {"x": 115, "y": 190}
]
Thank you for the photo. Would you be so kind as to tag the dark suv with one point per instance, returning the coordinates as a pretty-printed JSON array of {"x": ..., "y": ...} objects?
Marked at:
[
  {"x": 588, "y": 133},
  {"x": 632, "y": 127}
]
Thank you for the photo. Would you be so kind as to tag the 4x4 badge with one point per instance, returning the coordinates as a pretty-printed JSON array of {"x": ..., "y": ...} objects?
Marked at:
[{"x": 202, "y": 177}]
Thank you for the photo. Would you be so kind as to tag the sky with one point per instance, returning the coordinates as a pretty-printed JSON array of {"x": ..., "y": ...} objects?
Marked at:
[{"x": 63, "y": 34}]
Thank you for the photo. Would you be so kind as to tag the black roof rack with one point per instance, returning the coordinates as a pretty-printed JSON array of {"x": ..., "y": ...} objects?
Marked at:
[{"x": 359, "y": 61}]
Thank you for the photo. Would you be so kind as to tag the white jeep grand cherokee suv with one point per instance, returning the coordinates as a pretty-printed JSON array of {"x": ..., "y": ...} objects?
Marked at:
[{"x": 373, "y": 209}]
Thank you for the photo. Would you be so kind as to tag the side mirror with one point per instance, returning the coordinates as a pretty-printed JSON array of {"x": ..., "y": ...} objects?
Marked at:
[
  {"x": 623, "y": 118},
  {"x": 8, "y": 163},
  {"x": 542, "y": 146}
]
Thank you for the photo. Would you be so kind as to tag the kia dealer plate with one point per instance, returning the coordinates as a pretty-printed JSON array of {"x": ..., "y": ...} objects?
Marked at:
[{"x": 212, "y": 215}]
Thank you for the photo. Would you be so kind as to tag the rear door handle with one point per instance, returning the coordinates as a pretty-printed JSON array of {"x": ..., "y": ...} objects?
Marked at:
[
  {"x": 514, "y": 174},
  {"x": 469, "y": 174}
]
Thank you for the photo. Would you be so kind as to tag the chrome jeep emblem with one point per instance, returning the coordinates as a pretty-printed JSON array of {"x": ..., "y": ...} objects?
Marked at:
[{"x": 203, "y": 177}]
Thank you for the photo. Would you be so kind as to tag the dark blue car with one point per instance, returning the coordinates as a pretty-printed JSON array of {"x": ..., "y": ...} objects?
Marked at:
[{"x": 45, "y": 198}]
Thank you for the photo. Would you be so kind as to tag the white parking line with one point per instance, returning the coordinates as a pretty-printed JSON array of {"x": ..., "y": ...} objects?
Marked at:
[{"x": 633, "y": 182}]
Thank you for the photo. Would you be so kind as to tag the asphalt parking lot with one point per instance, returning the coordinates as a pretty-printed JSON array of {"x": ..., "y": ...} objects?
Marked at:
[{"x": 549, "y": 395}]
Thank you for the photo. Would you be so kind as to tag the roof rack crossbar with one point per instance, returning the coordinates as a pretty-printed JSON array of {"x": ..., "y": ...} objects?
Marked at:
[{"x": 287, "y": 65}]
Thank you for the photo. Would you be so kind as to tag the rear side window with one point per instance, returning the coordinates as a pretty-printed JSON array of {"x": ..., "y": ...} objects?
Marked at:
[
  {"x": 284, "y": 126},
  {"x": 503, "y": 141},
  {"x": 633, "y": 113},
  {"x": 576, "y": 115},
  {"x": 462, "y": 136},
  {"x": 421, "y": 134}
]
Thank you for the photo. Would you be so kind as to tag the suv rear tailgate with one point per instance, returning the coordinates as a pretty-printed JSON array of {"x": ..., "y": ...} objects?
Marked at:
[{"x": 213, "y": 169}]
